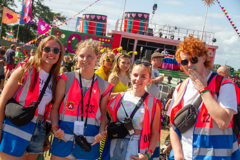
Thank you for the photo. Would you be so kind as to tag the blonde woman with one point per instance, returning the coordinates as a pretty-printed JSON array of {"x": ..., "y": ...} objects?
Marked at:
[
  {"x": 24, "y": 85},
  {"x": 83, "y": 109},
  {"x": 106, "y": 64},
  {"x": 119, "y": 75},
  {"x": 143, "y": 143}
]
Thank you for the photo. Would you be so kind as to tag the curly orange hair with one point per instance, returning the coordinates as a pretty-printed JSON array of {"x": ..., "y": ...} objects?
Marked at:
[{"x": 193, "y": 45}]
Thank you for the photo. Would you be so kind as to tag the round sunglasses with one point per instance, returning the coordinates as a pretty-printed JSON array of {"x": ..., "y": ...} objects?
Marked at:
[
  {"x": 109, "y": 60},
  {"x": 144, "y": 63},
  {"x": 194, "y": 60},
  {"x": 54, "y": 50}
]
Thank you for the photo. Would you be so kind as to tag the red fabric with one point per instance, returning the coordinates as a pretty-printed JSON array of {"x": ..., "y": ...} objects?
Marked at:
[
  {"x": 9, "y": 67},
  {"x": 135, "y": 28},
  {"x": 92, "y": 27}
]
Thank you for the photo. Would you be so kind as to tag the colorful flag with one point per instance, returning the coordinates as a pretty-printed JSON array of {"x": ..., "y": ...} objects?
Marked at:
[
  {"x": 42, "y": 26},
  {"x": 79, "y": 25},
  {"x": 26, "y": 16},
  {"x": 8, "y": 16}
]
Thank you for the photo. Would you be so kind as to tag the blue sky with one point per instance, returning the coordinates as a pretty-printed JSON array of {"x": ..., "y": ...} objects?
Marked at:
[{"x": 182, "y": 13}]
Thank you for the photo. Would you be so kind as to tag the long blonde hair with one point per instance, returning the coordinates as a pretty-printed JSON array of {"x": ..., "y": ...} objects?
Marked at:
[
  {"x": 116, "y": 69},
  {"x": 37, "y": 62}
]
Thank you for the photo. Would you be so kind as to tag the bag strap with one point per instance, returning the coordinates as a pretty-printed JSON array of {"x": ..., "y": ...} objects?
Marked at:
[
  {"x": 44, "y": 89},
  {"x": 218, "y": 84},
  {"x": 140, "y": 102},
  {"x": 137, "y": 106}
]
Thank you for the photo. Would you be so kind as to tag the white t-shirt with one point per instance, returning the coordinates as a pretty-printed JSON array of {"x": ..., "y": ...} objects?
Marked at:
[
  {"x": 154, "y": 89},
  {"x": 47, "y": 97},
  {"x": 226, "y": 99}
]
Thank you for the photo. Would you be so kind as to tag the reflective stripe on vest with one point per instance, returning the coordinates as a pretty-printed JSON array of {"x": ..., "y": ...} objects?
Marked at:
[
  {"x": 208, "y": 140},
  {"x": 150, "y": 104},
  {"x": 70, "y": 111},
  {"x": 19, "y": 137}
]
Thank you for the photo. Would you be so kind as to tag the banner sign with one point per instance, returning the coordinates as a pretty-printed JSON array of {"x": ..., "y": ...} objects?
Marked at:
[{"x": 70, "y": 39}]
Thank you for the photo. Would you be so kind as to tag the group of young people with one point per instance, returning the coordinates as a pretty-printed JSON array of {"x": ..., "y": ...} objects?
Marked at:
[{"x": 79, "y": 102}]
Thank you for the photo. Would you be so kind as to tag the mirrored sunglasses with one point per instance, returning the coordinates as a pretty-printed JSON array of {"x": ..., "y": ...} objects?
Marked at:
[
  {"x": 109, "y": 60},
  {"x": 54, "y": 50},
  {"x": 144, "y": 63},
  {"x": 194, "y": 60}
]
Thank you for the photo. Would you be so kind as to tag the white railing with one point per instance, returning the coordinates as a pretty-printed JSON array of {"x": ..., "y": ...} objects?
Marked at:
[{"x": 166, "y": 31}]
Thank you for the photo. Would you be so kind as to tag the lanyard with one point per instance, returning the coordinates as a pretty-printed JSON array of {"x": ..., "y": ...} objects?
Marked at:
[{"x": 80, "y": 79}]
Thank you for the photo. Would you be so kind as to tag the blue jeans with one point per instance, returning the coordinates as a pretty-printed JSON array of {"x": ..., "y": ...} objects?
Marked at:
[
  {"x": 122, "y": 149},
  {"x": 38, "y": 138}
]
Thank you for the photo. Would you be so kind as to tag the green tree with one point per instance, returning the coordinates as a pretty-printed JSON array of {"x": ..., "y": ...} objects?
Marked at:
[
  {"x": 28, "y": 32},
  {"x": 11, "y": 5}
]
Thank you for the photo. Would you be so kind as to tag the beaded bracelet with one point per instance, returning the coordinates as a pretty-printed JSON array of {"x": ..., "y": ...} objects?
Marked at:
[
  {"x": 147, "y": 155},
  {"x": 203, "y": 89}
]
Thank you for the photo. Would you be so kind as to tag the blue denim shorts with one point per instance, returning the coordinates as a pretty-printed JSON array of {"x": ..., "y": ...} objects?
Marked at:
[
  {"x": 124, "y": 148},
  {"x": 38, "y": 138}
]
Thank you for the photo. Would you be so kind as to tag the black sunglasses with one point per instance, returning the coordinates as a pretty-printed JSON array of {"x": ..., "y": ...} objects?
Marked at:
[
  {"x": 194, "y": 60},
  {"x": 144, "y": 63},
  {"x": 54, "y": 50}
]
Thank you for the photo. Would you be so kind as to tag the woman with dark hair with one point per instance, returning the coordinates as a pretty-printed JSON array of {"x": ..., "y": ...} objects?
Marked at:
[{"x": 25, "y": 85}]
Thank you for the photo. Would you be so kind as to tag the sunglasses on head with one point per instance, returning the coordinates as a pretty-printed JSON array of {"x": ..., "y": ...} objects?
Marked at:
[
  {"x": 109, "y": 60},
  {"x": 194, "y": 60},
  {"x": 144, "y": 63},
  {"x": 54, "y": 50}
]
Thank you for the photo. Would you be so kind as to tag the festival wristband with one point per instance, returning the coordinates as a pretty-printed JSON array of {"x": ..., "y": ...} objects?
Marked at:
[
  {"x": 203, "y": 89},
  {"x": 55, "y": 127},
  {"x": 147, "y": 155},
  {"x": 150, "y": 151}
]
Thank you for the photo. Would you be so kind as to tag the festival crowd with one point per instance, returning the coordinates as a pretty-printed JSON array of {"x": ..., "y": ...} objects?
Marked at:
[{"x": 101, "y": 105}]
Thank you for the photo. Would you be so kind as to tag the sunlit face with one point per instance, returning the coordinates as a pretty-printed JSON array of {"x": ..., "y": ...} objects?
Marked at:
[
  {"x": 198, "y": 67},
  {"x": 50, "y": 58},
  {"x": 157, "y": 61},
  {"x": 124, "y": 64},
  {"x": 87, "y": 58},
  {"x": 140, "y": 77},
  {"x": 109, "y": 64}
]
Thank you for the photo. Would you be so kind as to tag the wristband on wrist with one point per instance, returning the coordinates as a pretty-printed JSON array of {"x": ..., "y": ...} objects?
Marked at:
[
  {"x": 150, "y": 151},
  {"x": 147, "y": 155},
  {"x": 55, "y": 127},
  {"x": 1, "y": 129},
  {"x": 203, "y": 89}
]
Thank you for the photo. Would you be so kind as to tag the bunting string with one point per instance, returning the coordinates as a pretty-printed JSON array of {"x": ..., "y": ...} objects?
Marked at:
[
  {"x": 47, "y": 33},
  {"x": 229, "y": 19}
]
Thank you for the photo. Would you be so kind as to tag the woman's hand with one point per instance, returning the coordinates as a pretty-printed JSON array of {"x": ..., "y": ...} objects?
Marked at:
[
  {"x": 140, "y": 157},
  {"x": 59, "y": 134},
  {"x": 198, "y": 81},
  {"x": 99, "y": 137}
]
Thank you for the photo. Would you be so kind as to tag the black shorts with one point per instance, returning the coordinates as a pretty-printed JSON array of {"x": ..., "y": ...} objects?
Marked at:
[{"x": 2, "y": 77}]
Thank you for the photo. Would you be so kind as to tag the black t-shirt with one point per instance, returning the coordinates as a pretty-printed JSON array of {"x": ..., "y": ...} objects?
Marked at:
[{"x": 68, "y": 65}]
